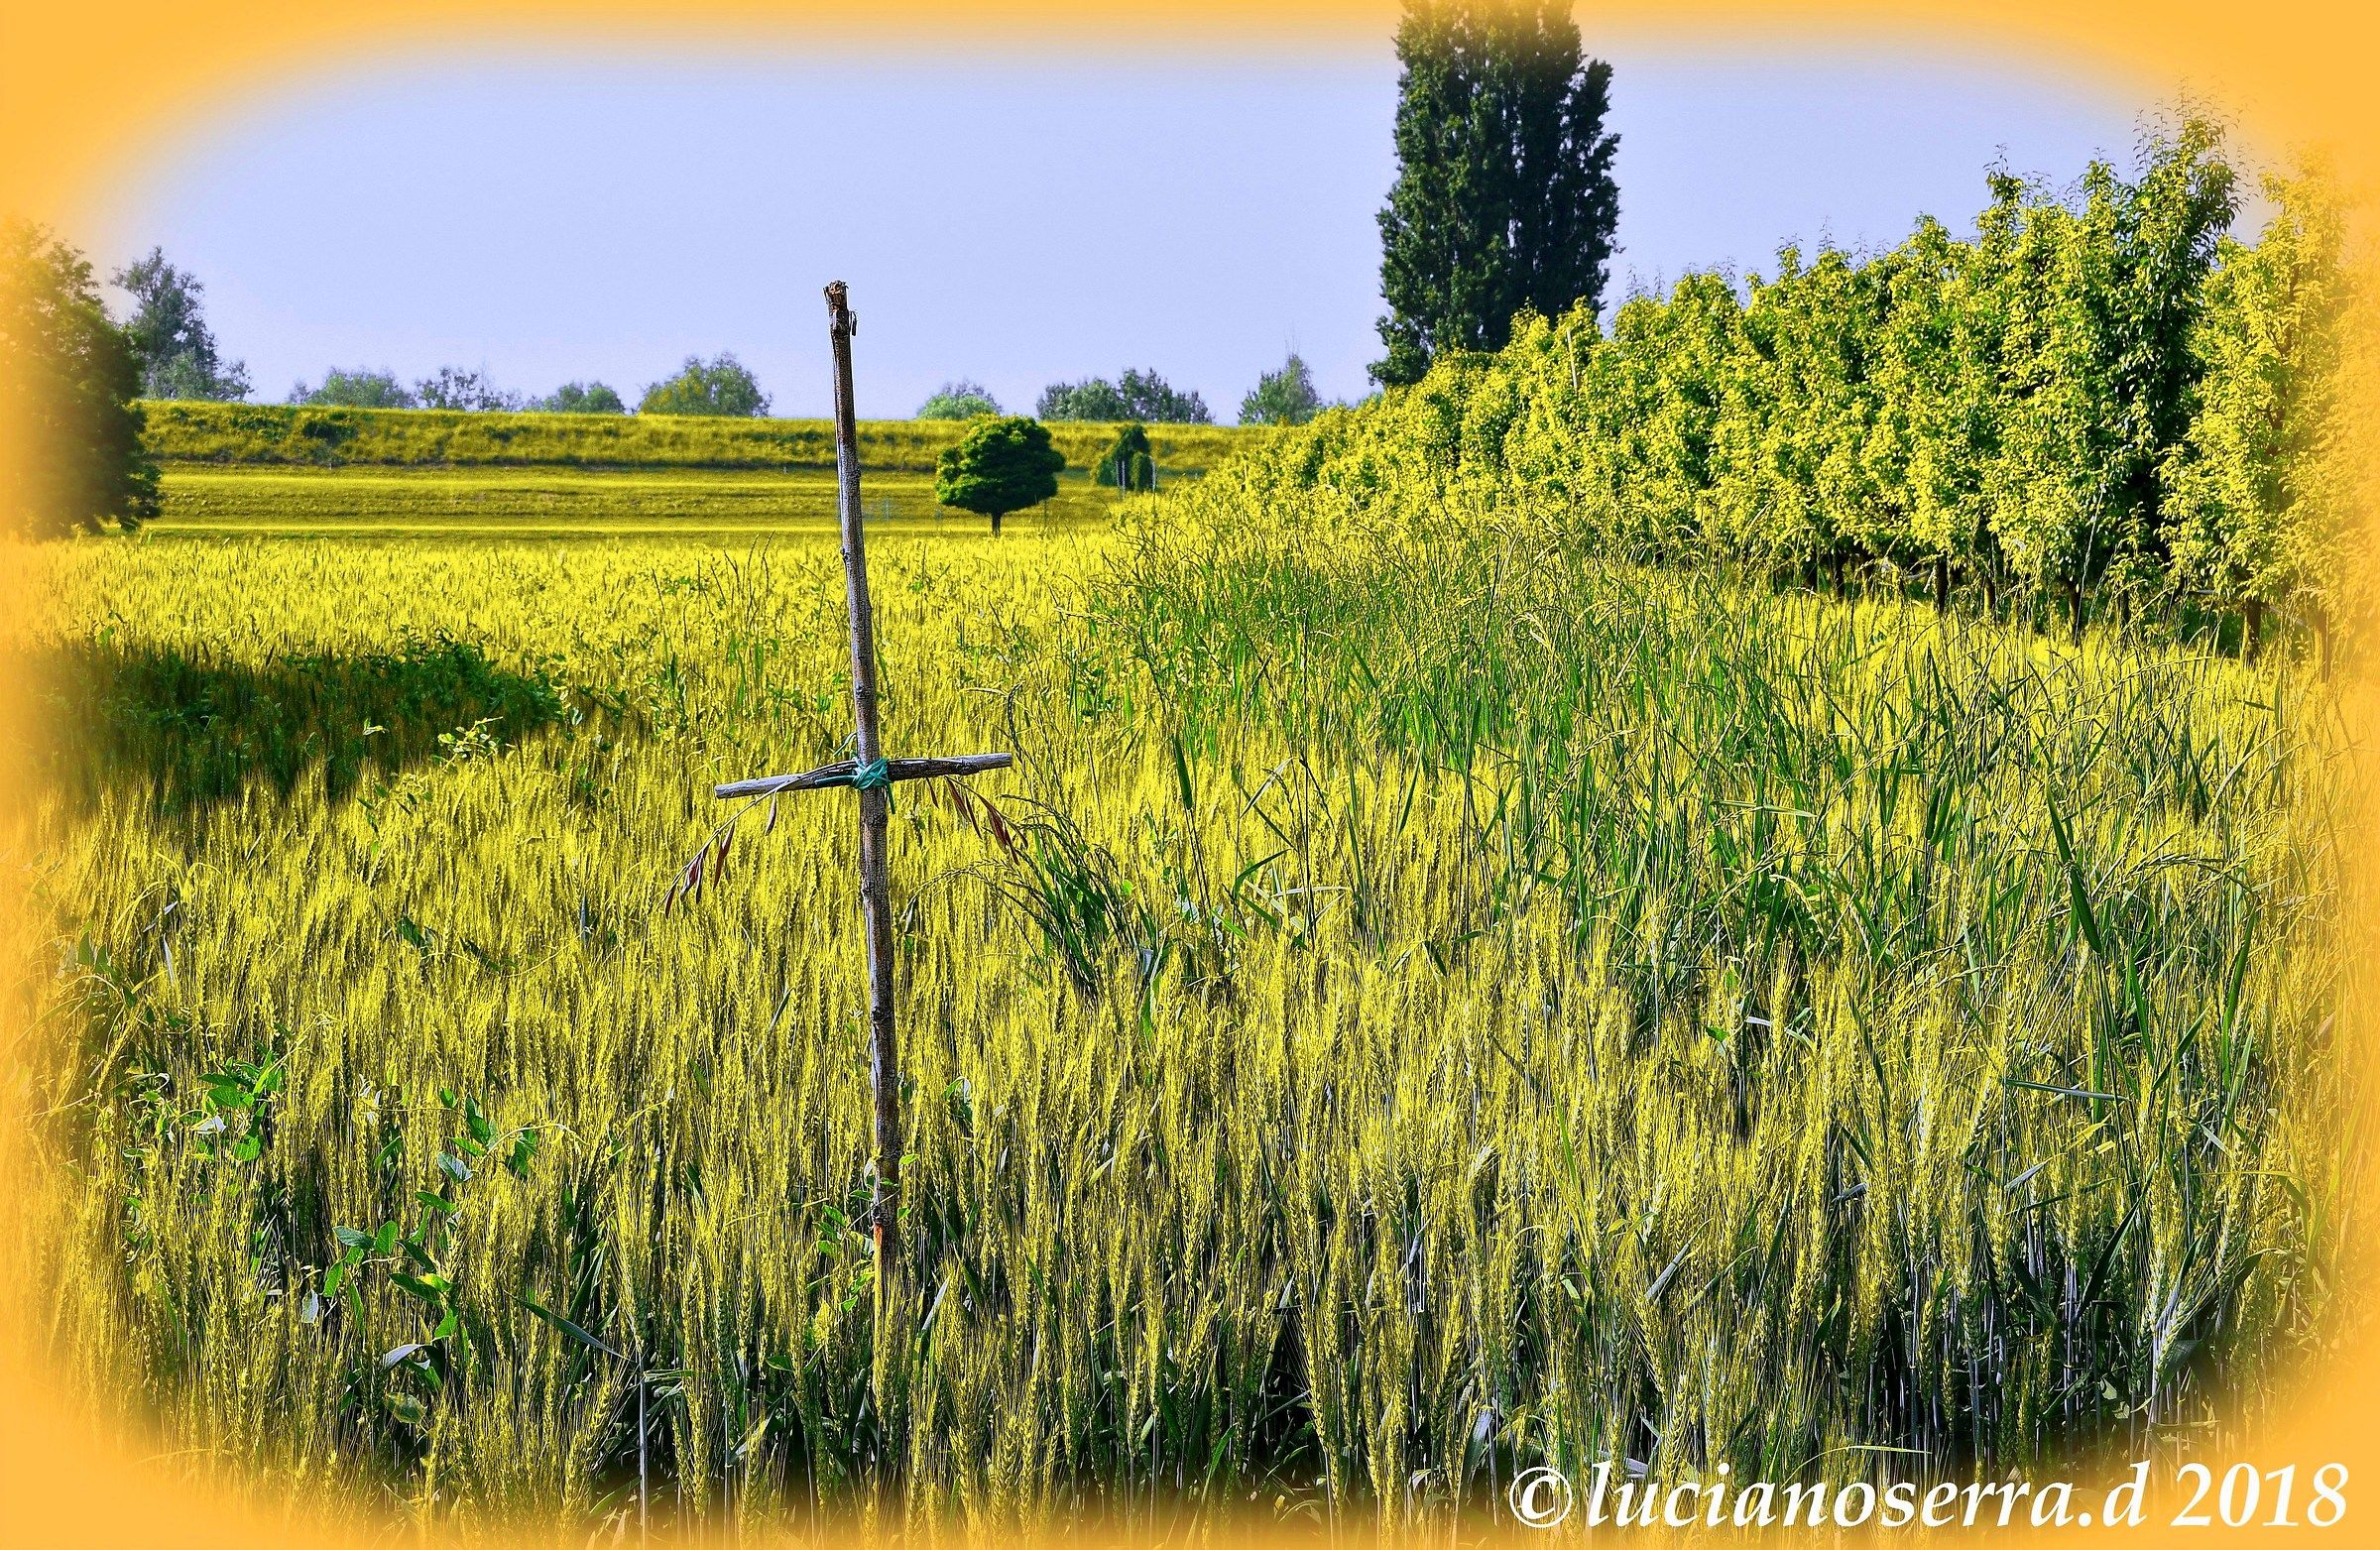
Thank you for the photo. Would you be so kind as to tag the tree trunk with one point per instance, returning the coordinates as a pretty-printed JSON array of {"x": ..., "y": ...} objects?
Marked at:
[
  {"x": 2074, "y": 612},
  {"x": 1942, "y": 583},
  {"x": 1834, "y": 564},
  {"x": 2251, "y": 637},
  {"x": 996, "y": 525}
]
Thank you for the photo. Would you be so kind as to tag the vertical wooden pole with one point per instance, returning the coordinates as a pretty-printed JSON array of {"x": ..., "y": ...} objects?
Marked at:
[{"x": 876, "y": 900}]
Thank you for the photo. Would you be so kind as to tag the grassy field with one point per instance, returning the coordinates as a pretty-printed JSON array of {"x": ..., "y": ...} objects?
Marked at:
[
  {"x": 185, "y": 431},
  {"x": 566, "y": 502},
  {"x": 1427, "y": 1005}
]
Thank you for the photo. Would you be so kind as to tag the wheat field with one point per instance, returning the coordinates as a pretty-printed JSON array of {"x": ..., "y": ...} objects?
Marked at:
[
  {"x": 570, "y": 502},
  {"x": 1406, "y": 1015}
]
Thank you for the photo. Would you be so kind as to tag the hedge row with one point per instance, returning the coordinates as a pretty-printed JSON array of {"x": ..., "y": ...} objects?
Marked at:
[{"x": 2106, "y": 401}]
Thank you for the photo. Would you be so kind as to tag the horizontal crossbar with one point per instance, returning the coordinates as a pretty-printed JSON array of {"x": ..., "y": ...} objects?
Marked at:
[{"x": 840, "y": 773}]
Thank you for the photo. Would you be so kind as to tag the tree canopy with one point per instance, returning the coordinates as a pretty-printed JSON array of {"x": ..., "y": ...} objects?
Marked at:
[
  {"x": 169, "y": 337},
  {"x": 2102, "y": 400},
  {"x": 359, "y": 387},
  {"x": 961, "y": 399},
  {"x": 1505, "y": 201},
  {"x": 1000, "y": 466},
  {"x": 582, "y": 397},
  {"x": 2263, "y": 509},
  {"x": 1137, "y": 395},
  {"x": 720, "y": 385},
  {"x": 1282, "y": 397},
  {"x": 67, "y": 380},
  {"x": 457, "y": 387}
]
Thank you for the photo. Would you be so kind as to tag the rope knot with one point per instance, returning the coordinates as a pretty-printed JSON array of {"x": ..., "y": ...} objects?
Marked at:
[{"x": 874, "y": 776}]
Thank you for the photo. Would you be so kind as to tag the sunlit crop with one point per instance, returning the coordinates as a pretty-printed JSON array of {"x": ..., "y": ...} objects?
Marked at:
[
  {"x": 575, "y": 502},
  {"x": 1416, "y": 1007}
]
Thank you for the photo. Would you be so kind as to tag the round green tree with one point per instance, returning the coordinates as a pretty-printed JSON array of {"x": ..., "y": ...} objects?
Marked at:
[{"x": 1000, "y": 466}]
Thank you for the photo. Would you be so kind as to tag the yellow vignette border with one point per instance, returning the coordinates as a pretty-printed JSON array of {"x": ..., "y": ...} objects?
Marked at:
[{"x": 86, "y": 90}]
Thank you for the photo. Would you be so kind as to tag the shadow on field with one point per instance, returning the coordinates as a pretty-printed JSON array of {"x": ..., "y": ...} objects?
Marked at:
[{"x": 191, "y": 732}]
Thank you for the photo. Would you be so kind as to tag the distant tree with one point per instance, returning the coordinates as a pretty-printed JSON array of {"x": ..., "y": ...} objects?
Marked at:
[
  {"x": 1000, "y": 466},
  {"x": 961, "y": 399},
  {"x": 67, "y": 380},
  {"x": 716, "y": 387},
  {"x": 169, "y": 337},
  {"x": 1146, "y": 396},
  {"x": 1096, "y": 399},
  {"x": 1128, "y": 454},
  {"x": 1504, "y": 198},
  {"x": 452, "y": 387},
  {"x": 1137, "y": 394},
  {"x": 1282, "y": 397},
  {"x": 580, "y": 397},
  {"x": 361, "y": 388}
]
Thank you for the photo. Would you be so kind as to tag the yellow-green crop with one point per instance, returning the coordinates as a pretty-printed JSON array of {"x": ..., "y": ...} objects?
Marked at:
[
  {"x": 573, "y": 501},
  {"x": 1423, "y": 1002}
]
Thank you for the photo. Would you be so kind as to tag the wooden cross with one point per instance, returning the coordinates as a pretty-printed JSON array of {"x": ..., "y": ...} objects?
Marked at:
[{"x": 871, "y": 775}]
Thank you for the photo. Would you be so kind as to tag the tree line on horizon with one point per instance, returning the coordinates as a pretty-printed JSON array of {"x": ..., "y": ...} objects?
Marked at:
[
  {"x": 175, "y": 357},
  {"x": 1284, "y": 397},
  {"x": 178, "y": 358},
  {"x": 1505, "y": 201},
  {"x": 722, "y": 385}
]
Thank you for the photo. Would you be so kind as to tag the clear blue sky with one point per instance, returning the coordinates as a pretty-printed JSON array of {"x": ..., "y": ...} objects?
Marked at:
[{"x": 549, "y": 217}]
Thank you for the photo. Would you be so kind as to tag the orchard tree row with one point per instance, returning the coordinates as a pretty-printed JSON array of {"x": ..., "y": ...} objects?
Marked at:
[{"x": 2102, "y": 403}]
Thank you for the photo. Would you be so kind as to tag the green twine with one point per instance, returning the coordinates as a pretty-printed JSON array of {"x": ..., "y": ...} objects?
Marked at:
[{"x": 874, "y": 776}]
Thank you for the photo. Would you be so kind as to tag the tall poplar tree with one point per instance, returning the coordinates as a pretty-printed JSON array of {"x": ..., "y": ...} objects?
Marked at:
[{"x": 1504, "y": 199}]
